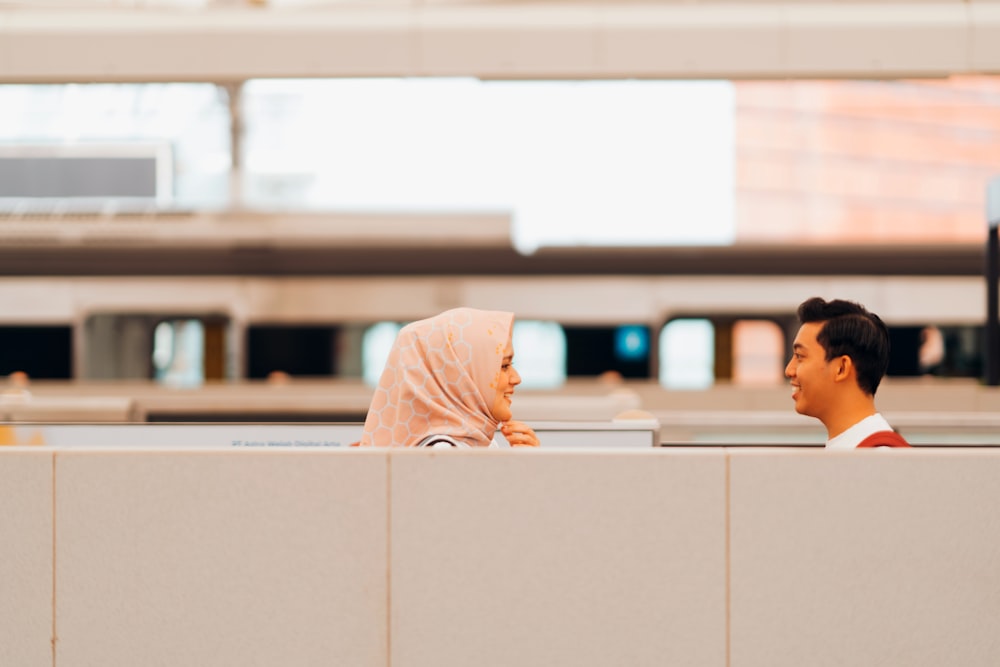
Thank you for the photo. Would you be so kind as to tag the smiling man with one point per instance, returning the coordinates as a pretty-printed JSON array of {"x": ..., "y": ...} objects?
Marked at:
[{"x": 839, "y": 357}]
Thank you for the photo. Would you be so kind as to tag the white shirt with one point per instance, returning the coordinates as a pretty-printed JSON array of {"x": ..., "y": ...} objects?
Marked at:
[{"x": 853, "y": 436}]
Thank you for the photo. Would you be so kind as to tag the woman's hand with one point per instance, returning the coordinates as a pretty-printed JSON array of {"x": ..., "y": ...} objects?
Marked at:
[{"x": 519, "y": 434}]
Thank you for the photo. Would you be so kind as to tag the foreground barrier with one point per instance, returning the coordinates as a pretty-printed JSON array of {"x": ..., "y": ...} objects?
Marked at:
[
  {"x": 255, "y": 402},
  {"x": 625, "y": 433},
  {"x": 730, "y": 557}
]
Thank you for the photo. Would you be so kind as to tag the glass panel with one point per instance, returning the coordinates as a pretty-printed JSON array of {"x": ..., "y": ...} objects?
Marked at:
[
  {"x": 192, "y": 119},
  {"x": 687, "y": 354},
  {"x": 674, "y": 162},
  {"x": 573, "y": 162},
  {"x": 577, "y": 163}
]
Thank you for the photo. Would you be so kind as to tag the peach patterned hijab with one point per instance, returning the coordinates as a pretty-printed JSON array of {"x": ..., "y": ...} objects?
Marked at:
[{"x": 440, "y": 378}]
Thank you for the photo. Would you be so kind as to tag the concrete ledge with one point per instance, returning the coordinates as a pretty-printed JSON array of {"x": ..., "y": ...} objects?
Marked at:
[{"x": 524, "y": 40}]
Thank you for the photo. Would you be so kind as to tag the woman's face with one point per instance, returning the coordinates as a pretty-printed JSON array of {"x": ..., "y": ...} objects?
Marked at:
[{"x": 507, "y": 379}]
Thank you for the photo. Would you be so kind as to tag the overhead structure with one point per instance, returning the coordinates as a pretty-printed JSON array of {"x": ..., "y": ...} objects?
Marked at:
[{"x": 525, "y": 40}]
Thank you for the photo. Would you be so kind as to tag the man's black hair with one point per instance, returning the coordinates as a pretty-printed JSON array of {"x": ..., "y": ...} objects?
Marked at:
[{"x": 849, "y": 328}]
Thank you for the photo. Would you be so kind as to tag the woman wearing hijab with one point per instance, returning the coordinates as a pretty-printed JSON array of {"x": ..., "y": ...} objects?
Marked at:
[{"x": 448, "y": 382}]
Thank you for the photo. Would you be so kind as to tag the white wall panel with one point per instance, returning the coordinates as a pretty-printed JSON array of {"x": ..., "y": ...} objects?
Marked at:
[
  {"x": 221, "y": 558},
  {"x": 865, "y": 558},
  {"x": 347, "y": 299},
  {"x": 567, "y": 299},
  {"x": 531, "y": 558},
  {"x": 25, "y": 557}
]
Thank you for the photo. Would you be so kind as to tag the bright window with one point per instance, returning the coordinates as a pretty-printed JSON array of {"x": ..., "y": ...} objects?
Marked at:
[
  {"x": 539, "y": 354},
  {"x": 576, "y": 163},
  {"x": 191, "y": 118},
  {"x": 375, "y": 345},
  {"x": 179, "y": 352},
  {"x": 637, "y": 162},
  {"x": 687, "y": 354}
]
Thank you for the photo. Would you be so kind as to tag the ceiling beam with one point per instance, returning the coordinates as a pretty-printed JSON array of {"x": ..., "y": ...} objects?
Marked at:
[{"x": 518, "y": 41}]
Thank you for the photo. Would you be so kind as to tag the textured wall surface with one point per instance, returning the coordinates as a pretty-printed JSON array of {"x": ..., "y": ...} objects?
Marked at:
[
  {"x": 25, "y": 558},
  {"x": 739, "y": 557}
]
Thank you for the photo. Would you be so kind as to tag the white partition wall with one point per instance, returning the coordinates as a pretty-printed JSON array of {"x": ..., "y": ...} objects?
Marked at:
[
  {"x": 228, "y": 558},
  {"x": 865, "y": 558},
  {"x": 721, "y": 557},
  {"x": 540, "y": 559},
  {"x": 25, "y": 558}
]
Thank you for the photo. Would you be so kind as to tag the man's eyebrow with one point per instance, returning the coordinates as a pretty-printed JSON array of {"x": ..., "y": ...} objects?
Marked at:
[{"x": 798, "y": 346}]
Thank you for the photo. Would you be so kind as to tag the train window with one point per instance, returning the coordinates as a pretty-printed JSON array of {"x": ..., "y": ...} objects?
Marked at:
[
  {"x": 592, "y": 351},
  {"x": 298, "y": 350},
  {"x": 176, "y": 349},
  {"x": 687, "y": 354},
  {"x": 951, "y": 351},
  {"x": 904, "y": 351},
  {"x": 946, "y": 351},
  {"x": 40, "y": 351},
  {"x": 192, "y": 118},
  {"x": 179, "y": 352},
  {"x": 375, "y": 345},
  {"x": 758, "y": 352},
  {"x": 540, "y": 354}
]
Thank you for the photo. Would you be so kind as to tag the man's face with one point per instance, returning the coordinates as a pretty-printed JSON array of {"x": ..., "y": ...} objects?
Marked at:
[{"x": 811, "y": 375}]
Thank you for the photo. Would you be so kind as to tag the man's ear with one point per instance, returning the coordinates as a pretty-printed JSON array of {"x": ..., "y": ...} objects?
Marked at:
[{"x": 843, "y": 368}]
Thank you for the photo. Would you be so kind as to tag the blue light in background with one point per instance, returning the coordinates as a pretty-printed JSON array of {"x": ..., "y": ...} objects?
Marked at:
[{"x": 631, "y": 342}]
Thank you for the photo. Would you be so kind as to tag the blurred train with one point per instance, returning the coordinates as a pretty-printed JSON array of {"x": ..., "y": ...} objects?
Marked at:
[
  {"x": 213, "y": 297},
  {"x": 206, "y": 298}
]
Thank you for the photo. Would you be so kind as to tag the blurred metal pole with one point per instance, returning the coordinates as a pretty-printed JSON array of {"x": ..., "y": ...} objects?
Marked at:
[
  {"x": 234, "y": 91},
  {"x": 992, "y": 351}
]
